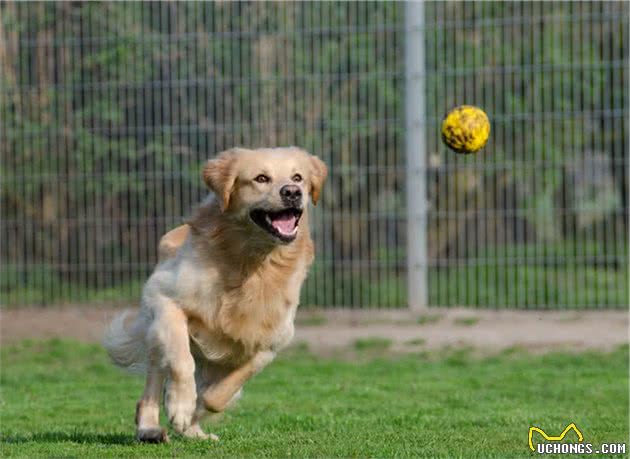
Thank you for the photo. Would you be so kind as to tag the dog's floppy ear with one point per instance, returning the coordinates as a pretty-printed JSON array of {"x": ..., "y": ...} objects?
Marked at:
[
  {"x": 319, "y": 171},
  {"x": 220, "y": 176}
]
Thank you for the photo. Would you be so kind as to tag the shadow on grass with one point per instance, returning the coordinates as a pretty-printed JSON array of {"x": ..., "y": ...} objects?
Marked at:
[{"x": 76, "y": 437}]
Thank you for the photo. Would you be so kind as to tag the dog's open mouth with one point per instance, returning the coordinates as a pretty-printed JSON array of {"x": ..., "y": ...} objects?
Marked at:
[{"x": 282, "y": 224}]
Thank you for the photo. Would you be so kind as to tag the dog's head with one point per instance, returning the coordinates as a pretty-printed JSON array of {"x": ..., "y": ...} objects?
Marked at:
[{"x": 267, "y": 188}]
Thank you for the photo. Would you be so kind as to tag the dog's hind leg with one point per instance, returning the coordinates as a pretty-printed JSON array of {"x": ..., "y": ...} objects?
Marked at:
[{"x": 148, "y": 408}]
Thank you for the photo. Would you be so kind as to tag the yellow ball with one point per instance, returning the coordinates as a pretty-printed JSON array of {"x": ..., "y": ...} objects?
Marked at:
[{"x": 466, "y": 129}]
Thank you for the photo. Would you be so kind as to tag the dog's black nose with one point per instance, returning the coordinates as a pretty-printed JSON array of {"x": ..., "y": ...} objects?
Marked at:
[{"x": 291, "y": 194}]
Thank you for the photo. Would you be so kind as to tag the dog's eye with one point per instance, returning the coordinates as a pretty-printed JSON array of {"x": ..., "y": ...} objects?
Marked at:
[
  {"x": 297, "y": 178},
  {"x": 262, "y": 178}
]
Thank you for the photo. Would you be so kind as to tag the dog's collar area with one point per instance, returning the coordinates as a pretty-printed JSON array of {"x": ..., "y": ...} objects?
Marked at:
[{"x": 281, "y": 224}]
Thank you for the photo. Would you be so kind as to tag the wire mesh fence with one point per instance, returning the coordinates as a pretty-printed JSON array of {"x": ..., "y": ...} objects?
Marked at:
[{"x": 108, "y": 110}]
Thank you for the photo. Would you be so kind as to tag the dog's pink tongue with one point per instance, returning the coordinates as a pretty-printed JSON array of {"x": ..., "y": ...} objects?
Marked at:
[{"x": 284, "y": 223}]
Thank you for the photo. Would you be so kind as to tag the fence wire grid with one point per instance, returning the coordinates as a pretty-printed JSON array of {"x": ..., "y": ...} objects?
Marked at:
[{"x": 108, "y": 111}]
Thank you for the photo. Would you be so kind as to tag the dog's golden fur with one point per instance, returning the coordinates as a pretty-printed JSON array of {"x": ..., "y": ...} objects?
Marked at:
[{"x": 222, "y": 299}]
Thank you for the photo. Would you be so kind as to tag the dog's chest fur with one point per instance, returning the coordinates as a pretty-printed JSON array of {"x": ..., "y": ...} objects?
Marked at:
[{"x": 232, "y": 316}]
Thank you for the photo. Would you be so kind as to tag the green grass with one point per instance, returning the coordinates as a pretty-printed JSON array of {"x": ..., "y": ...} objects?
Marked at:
[
  {"x": 310, "y": 320},
  {"x": 63, "y": 399},
  {"x": 466, "y": 321},
  {"x": 372, "y": 344},
  {"x": 428, "y": 319}
]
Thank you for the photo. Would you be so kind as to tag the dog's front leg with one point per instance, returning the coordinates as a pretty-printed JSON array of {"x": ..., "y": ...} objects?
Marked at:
[
  {"x": 168, "y": 336},
  {"x": 218, "y": 396}
]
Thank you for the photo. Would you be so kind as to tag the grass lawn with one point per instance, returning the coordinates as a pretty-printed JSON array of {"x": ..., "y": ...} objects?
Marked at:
[{"x": 63, "y": 399}]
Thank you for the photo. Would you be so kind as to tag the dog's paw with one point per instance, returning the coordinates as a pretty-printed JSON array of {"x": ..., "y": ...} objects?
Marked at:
[
  {"x": 180, "y": 416},
  {"x": 195, "y": 431},
  {"x": 181, "y": 402},
  {"x": 152, "y": 435}
]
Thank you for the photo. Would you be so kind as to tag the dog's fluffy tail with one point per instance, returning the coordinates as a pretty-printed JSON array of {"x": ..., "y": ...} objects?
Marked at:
[{"x": 126, "y": 343}]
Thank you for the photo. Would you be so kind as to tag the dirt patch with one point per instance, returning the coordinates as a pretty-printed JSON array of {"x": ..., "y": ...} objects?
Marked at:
[
  {"x": 83, "y": 323},
  {"x": 485, "y": 330},
  {"x": 330, "y": 331}
]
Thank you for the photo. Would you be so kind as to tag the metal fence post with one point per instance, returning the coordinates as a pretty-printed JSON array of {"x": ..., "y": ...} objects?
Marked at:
[{"x": 416, "y": 156}]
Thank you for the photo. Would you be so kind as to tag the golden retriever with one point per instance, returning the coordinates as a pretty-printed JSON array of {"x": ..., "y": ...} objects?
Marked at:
[{"x": 222, "y": 298}]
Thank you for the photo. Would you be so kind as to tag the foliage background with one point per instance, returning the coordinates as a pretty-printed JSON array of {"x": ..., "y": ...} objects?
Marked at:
[{"x": 108, "y": 110}]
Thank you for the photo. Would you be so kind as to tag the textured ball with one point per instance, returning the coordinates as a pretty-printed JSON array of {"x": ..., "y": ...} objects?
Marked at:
[{"x": 466, "y": 129}]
